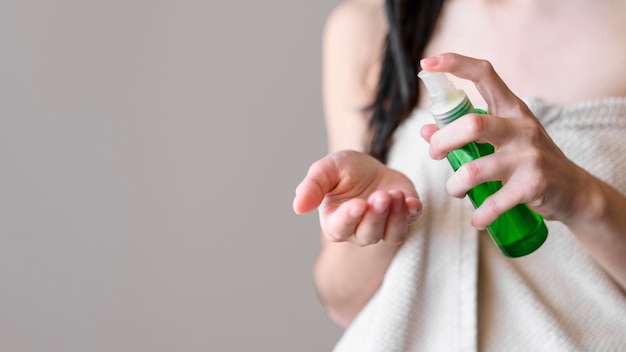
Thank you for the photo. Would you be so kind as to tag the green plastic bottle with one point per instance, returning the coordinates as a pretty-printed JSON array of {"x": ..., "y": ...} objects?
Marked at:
[{"x": 517, "y": 232}]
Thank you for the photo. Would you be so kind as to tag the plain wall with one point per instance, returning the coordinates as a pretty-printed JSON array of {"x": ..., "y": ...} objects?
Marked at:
[{"x": 149, "y": 151}]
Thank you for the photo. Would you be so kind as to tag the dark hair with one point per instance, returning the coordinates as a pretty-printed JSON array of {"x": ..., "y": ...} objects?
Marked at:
[{"x": 411, "y": 24}]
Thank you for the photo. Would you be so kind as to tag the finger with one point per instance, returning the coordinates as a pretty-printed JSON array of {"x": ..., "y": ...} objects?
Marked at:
[
  {"x": 414, "y": 209},
  {"x": 476, "y": 172},
  {"x": 396, "y": 228},
  {"x": 496, "y": 204},
  {"x": 371, "y": 228},
  {"x": 340, "y": 224},
  {"x": 489, "y": 84},
  {"x": 472, "y": 128},
  {"x": 427, "y": 131},
  {"x": 321, "y": 178}
]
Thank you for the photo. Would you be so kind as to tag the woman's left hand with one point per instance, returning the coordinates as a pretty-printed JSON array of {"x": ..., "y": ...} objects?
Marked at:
[{"x": 529, "y": 164}]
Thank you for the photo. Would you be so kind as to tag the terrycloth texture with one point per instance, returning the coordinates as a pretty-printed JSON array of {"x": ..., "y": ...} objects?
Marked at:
[{"x": 449, "y": 289}]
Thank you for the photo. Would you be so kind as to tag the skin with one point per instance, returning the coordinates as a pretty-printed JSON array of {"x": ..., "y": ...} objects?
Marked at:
[
  {"x": 347, "y": 275},
  {"x": 365, "y": 207}
]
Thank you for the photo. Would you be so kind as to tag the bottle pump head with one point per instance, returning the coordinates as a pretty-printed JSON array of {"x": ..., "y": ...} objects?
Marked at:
[{"x": 446, "y": 99}]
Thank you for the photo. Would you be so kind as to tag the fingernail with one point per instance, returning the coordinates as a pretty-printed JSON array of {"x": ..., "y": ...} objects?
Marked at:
[
  {"x": 477, "y": 227},
  {"x": 430, "y": 61},
  {"x": 380, "y": 205},
  {"x": 414, "y": 213}
]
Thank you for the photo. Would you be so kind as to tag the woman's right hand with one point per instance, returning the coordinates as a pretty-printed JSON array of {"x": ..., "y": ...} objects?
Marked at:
[{"x": 359, "y": 199}]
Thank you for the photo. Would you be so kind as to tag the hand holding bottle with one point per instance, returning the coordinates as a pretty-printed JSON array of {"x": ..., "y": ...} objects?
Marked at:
[
  {"x": 360, "y": 199},
  {"x": 532, "y": 168}
]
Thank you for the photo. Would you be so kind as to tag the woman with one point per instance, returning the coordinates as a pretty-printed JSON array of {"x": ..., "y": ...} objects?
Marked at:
[{"x": 408, "y": 272}]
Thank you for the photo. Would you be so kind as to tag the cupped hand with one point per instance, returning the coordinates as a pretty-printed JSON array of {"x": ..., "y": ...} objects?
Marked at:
[
  {"x": 359, "y": 199},
  {"x": 530, "y": 165}
]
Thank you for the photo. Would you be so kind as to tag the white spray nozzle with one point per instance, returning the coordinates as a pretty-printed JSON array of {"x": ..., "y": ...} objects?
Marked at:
[
  {"x": 440, "y": 88},
  {"x": 444, "y": 96}
]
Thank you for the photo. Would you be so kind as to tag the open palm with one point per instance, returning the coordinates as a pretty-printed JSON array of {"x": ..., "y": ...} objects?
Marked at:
[{"x": 359, "y": 199}]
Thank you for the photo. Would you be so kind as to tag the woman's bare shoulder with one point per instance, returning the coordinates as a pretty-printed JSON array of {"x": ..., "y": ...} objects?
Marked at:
[
  {"x": 357, "y": 22},
  {"x": 358, "y": 9},
  {"x": 353, "y": 41},
  {"x": 352, "y": 48}
]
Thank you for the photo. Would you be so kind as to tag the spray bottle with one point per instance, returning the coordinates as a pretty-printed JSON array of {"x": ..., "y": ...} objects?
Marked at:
[{"x": 517, "y": 232}]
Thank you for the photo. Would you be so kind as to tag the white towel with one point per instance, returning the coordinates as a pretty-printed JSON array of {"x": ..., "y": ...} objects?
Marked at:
[{"x": 449, "y": 289}]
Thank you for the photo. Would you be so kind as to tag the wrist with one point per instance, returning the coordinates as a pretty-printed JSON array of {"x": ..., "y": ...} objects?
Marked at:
[{"x": 594, "y": 206}]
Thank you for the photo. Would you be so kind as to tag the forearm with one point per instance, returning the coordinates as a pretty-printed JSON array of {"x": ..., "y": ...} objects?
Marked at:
[
  {"x": 347, "y": 276},
  {"x": 602, "y": 229}
]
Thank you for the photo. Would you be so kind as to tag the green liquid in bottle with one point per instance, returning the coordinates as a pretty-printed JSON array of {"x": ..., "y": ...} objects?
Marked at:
[{"x": 517, "y": 232}]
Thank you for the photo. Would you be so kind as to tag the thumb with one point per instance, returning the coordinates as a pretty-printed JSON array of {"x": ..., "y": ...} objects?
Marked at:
[{"x": 321, "y": 178}]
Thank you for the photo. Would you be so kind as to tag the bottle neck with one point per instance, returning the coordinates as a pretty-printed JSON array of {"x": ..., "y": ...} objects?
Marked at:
[{"x": 443, "y": 118}]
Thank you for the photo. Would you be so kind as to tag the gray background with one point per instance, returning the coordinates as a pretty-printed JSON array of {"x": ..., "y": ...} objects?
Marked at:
[{"x": 149, "y": 151}]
